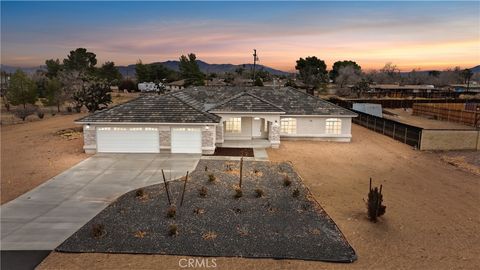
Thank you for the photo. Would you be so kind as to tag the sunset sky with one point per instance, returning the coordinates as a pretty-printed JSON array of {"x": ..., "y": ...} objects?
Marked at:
[{"x": 423, "y": 35}]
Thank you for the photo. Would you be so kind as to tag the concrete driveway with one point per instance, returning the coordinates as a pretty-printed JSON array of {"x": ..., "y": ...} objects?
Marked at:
[{"x": 44, "y": 217}]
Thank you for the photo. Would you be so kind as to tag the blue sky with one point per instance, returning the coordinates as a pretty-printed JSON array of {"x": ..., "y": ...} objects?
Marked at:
[{"x": 410, "y": 34}]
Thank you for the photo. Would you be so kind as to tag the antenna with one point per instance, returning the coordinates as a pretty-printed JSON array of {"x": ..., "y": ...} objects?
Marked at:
[{"x": 255, "y": 59}]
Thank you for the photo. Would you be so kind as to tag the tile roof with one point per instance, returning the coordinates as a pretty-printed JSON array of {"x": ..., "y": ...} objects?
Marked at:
[
  {"x": 291, "y": 100},
  {"x": 152, "y": 108},
  {"x": 246, "y": 102},
  {"x": 192, "y": 105}
]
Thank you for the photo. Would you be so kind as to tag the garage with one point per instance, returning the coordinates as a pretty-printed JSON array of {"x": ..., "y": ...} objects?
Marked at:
[
  {"x": 186, "y": 140},
  {"x": 127, "y": 140}
]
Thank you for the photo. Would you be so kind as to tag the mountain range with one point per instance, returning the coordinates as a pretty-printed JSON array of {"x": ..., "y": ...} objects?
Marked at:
[{"x": 129, "y": 70}]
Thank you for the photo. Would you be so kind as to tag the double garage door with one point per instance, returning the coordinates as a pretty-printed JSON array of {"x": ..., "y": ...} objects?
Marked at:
[{"x": 146, "y": 140}]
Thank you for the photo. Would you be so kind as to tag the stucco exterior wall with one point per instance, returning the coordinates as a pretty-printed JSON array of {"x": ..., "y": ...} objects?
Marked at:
[
  {"x": 450, "y": 140},
  {"x": 245, "y": 134},
  {"x": 208, "y": 139},
  {"x": 315, "y": 128}
]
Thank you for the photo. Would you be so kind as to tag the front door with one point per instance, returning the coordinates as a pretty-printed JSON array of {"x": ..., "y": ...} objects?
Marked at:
[{"x": 257, "y": 127}]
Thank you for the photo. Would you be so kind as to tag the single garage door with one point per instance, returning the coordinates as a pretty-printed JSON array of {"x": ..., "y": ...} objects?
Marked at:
[
  {"x": 186, "y": 140},
  {"x": 127, "y": 140}
]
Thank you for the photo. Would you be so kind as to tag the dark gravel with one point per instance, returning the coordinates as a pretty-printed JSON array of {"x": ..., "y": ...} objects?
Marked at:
[{"x": 276, "y": 225}]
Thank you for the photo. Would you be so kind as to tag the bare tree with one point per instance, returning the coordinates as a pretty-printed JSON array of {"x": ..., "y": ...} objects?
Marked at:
[{"x": 348, "y": 75}]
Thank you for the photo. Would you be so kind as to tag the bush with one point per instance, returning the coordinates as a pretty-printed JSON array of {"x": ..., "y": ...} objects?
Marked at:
[
  {"x": 238, "y": 193},
  {"x": 140, "y": 193},
  {"x": 203, "y": 192},
  {"x": 128, "y": 85},
  {"x": 286, "y": 181},
  {"x": 211, "y": 177},
  {"x": 40, "y": 114},
  {"x": 296, "y": 193},
  {"x": 259, "y": 193},
  {"x": 98, "y": 230},
  {"x": 69, "y": 109},
  {"x": 23, "y": 113},
  {"x": 172, "y": 229},
  {"x": 374, "y": 205},
  {"x": 172, "y": 211}
]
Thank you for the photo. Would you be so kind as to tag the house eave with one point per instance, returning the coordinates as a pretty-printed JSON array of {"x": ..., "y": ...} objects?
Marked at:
[{"x": 143, "y": 123}]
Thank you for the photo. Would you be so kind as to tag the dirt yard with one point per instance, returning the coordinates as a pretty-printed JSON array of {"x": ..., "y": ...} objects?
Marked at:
[
  {"x": 33, "y": 152},
  {"x": 406, "y": 117},
  {"x": 432, "y": 219}
]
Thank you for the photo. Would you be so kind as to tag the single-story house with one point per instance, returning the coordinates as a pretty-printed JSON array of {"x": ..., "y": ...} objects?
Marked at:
[{"x": 198, "y": 119}]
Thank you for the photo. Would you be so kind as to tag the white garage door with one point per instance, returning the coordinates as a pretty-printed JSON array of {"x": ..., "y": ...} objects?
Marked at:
[
  {"x": 186, "y": 140},
  {"x": 127, "y": 140}
]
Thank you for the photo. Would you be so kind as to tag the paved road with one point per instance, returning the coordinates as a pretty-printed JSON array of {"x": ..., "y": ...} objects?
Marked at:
[{"x": 44, "y": 217}]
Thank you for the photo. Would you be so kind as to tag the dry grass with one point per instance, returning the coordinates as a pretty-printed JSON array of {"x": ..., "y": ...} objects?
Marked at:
[{"x": 209, "y": 236}]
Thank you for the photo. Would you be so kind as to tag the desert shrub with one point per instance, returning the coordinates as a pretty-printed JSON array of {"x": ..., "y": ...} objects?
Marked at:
[
  {"x": 286, "y": 181},
  {"x": 23, "y": 113},
  {"x": 375, "y": 207},
  {"x": 206, "y": 168},
  {"x": 128, "y": 85},
  {"x": 211, "y": 177},
  {"x": 172, "y": 211},
  {"x": 69, "y": 109},
  {"x": 199, "y": 211},
  {"x": 139, "y": 193},
  {"x": 172, "y": 229},
  {"x": 40, "y": 114},
  {"x": 296, "y": 192},
  {"x": 98, "y": 230},
  {"x": 202, "y": 192},
  {"x": 238, "y": 193},
  {"x": 209, "y": 236},
  {"x": 259, "y": 192}
]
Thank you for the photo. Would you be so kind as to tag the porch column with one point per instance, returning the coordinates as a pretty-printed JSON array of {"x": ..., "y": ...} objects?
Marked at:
[
  {"x": 274, "y": 134},
  {"x": 89, "y": 139},
  {"x": 219, "y": 133}
]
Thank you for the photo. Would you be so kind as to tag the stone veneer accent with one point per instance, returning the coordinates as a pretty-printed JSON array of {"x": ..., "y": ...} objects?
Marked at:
[
  {"x": 89, "y": 139},
  {"x": 274, "y": 135},
  {"x": 219, "y": 134},
  {"x": 208, "y": 136}
]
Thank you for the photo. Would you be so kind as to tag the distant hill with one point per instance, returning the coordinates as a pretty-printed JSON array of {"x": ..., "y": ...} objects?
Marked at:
[
  {"x": 475, "y": 69},
  {"x": 205, "y": 68},
  {"x": 29, "y": 70}
]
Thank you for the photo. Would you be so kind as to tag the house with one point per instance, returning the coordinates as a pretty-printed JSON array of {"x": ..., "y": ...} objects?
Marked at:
[
  {"x": 176, "y": 85},
  {"x": 198, "y": 119}
]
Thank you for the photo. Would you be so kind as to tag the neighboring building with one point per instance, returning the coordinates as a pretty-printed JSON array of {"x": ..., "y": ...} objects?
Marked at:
[
  {"x": 464, "y": 88},
  {"x": 176, "y": 85},
  {"x": 403, "y": 91},
  {"x": 197, "y": 119}
]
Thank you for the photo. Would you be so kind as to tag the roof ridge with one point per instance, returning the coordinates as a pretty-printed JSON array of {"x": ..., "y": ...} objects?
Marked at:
[
  {"x": 245, "y": 92},
  {"x": 209, "y": 115},
  {"x": 317, "y": 99},
  {"x": 108, "y": 109}
]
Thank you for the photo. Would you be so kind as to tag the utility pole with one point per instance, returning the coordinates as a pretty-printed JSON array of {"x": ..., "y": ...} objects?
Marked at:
[{"x": 255, "y": 59}]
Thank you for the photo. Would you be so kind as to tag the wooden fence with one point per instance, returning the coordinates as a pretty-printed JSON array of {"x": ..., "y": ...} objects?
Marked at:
[
  {"x": 407, "y": 134},
  {"x": 452, "y": 112}
]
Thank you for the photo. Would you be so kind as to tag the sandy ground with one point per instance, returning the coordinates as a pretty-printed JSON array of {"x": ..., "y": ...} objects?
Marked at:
[
  {"x": 423, "y": 122},
  {"x": 432, "y": 219},
  {"x": 32, "y": 153}
]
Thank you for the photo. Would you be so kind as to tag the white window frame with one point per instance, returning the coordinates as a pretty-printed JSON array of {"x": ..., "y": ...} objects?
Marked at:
[
  {"x": 233, "y": 125},
  {"x": 333, "y": 126},
  {"x": 288, "y": 125}
]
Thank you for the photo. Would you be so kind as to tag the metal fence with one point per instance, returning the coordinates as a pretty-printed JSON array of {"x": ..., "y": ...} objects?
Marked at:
[
  {"x": 398, "y": 103},
  {"x": 404, "y": 133}
]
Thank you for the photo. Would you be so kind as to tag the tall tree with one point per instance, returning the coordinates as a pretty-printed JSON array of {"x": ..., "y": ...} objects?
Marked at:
[
  {"x": 81, "y": 60},
  {"x": 312, "y": 71},
  {"x": 142, "y": 72},
  {"x": 94, "y": 95},
  {"x": 109, "y": 72},
  {"x": 341, "y": 64},
  {"x": 54, "y": 94},
  {"x": 22, "y": 90},
  {"x": 53, "y": 67},
  {"x": 190, "y": 71}
]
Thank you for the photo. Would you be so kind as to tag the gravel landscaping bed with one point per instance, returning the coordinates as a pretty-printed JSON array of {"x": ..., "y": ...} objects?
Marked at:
[{"x": 284, "y": 223}]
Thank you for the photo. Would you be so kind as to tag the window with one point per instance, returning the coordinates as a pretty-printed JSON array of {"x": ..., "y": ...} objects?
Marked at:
[
  {"x": 234, "y": 125},
  {"x": 288, "y": 125},
  {"x": 334, "y": 126}
]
